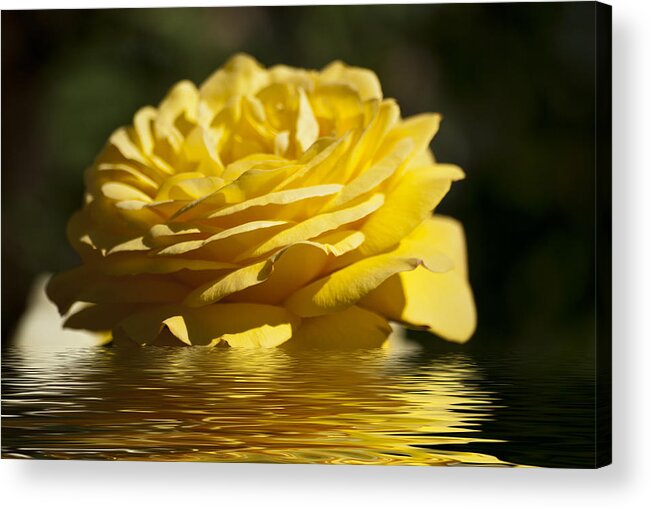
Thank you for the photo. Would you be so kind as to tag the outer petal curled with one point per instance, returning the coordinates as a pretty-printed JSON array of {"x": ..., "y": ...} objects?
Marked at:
[
  {"x": 233, "y": 324},
  {"x": 441, "y": 302}
]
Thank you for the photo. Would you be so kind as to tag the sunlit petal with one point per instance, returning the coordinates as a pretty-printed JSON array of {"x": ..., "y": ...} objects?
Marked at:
[{"x": 441, "y": 302}]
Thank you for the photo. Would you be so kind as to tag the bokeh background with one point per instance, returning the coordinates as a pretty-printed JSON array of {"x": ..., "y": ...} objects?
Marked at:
[{"x": 515, "y": 83}]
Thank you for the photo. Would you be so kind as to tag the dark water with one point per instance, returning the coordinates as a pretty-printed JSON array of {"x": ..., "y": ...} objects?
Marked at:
[{"x": 364, "y": 407}]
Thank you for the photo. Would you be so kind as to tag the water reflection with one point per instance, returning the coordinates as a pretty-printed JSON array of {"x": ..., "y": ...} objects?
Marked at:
[{"x": 366, "y": 407}]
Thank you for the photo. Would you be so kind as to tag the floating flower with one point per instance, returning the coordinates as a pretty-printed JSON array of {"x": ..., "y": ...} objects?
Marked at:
[{"x": 268, "y": 206}]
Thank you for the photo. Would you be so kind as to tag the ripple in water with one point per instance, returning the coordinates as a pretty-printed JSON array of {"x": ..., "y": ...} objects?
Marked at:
[{"x": 195, "y": 404}]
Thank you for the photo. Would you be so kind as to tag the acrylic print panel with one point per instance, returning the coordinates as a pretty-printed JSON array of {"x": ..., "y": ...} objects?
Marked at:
[{"x": 329, "y": 234}]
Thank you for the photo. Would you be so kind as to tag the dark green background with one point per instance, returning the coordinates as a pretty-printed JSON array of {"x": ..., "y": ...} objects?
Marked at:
[{"x": 515, "y": 83}]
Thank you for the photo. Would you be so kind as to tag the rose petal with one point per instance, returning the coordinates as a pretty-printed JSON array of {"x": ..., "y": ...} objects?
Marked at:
[
  {"x": 307, "y": 127},
  {"x": 283, "y": 197},
  {"x": 318, "y": 225},
  {"x": 241, "y": 75},
  {"x": 237, "y": 324},
  {"x": 443, "y": 302},
  {"x": 348, "y": 285},
  {"x": 230, "y": 241},
  {"x": 297, "y": 264},
  {"x": 408, "y": 205},
  {"x": 353, "y": 328},
  {"x": 365, "y": 82},
  {"x": 373, "y": 176}
]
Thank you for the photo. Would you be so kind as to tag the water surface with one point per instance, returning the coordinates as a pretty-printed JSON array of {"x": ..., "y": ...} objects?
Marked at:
[{"x": 362, "y": 407}]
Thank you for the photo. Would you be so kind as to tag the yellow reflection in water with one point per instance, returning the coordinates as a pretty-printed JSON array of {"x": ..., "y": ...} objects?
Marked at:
[{"x": 364, "y": 407}]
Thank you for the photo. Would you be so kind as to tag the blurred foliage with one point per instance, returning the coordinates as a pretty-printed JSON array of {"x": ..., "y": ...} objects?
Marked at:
[{"x": 515, "y": 83}]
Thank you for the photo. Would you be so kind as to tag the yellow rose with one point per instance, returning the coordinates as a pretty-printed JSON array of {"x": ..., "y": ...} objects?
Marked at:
[{"x": 268, "y": 206}]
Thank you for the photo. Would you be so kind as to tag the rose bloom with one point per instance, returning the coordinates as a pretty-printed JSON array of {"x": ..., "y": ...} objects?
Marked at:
[{"x": 268, "y": 206}]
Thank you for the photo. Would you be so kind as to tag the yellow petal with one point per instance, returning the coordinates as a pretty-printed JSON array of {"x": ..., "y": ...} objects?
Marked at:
[
  {"x": 133, "y": 288},
  {"x": 251, "y": 184},
  {"x": 298, "y": 265},
  {"x": 142, "y": 123},
  {"x": 319, "y": 164},
  {"x": 232, "y": 282},
  {"x": 121, "y": 140},
  {"x": 130, "y": 175},
  {"x": 258, "y": 161},
  {"x": 347, "y": 286},
  {"x": 373, "y": 176},
  {"x": 318, "y": 225},
  {"x": 419, "y": 128},
  {"x": 446, "y": 235},
  {"x": 133, "y": 263},
  {"x": 281, "y": 143},
  {"x": 283, "y": 197},
  {"x": 283, "y": 74},
  {"x": 407, "y": 206},
  {"x": 253, "y": 127},
  {"x": 241, "y": 75},
  {"x": 171, "y": 232},
  {"x": 307, "y": 128},
  {"x": 236, "y": 324},
  {"x": 104, "y": 224},
  {"x": 339, "y": 109},
  {"x": 292, "y": 268},
  {"x": 124, "y": 192},
  {"x": 77, "y": 232},
  {"x": 164, "y": 191},
  {"x": 180, "y": 103},
  {"x": 101, "y": 317},
  {"x": 137, "y": 244},
  {"x": 442, "y": 302},
  {"x": 193, "y": 188},
  {"x": 229, "y": 242},
  {"x": 372, "y": 138},
  {"x": 63, "y": 288},
  {"x": 182, "y": 99},
  {"x": 273, "y": 279},
  {"x": 352, "y": 328},
  {"x": 364, "y": 81},
  {"x": 88, "y": 285},
  {"x": 201, "y": 147},
  {"x": 340, "y": 242},
  {"x": 146, "y": 212}
]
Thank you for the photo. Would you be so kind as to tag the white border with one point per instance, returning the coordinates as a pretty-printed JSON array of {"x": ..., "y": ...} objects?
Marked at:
[{"x": 107, "y": 484}]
